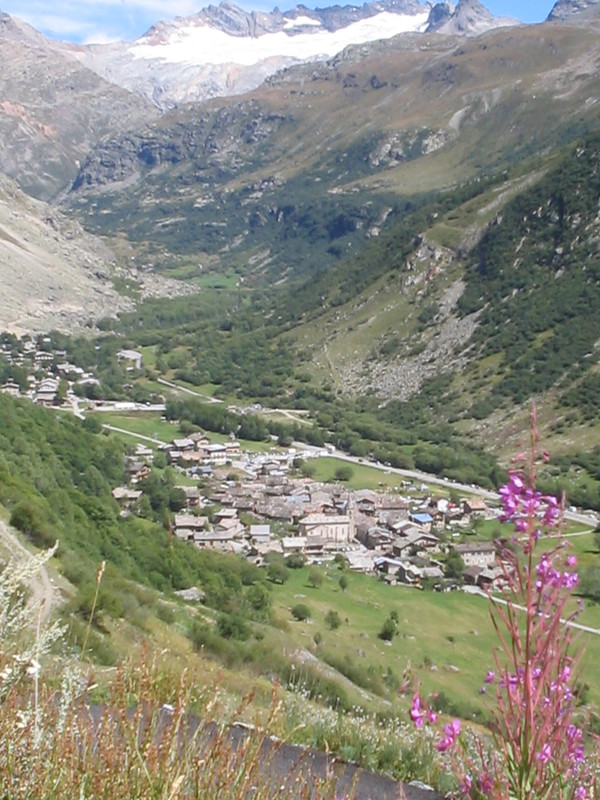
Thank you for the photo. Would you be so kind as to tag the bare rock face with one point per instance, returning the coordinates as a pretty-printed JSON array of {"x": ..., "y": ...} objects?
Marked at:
[
  {"x": 53, "y": 110},
  {"x": 439, "y": 15},
  {"x": 470, "y": 18},
  {"x": 574, "y": 11}
]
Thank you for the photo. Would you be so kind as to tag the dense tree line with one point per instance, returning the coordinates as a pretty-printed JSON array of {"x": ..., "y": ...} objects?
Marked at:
[{"x": 56, "y": 479}]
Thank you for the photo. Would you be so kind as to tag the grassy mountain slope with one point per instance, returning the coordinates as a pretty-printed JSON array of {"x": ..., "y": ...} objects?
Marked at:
[{"x": 304, "y": 170}]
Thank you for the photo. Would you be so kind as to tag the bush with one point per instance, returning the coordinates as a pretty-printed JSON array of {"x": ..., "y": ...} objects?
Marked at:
[
  {"x": 301, "y": 612},
  {"x": 388, "y": 630},
  {"x": 333, "y": 619},
  {"x": 231, "y": 626},
  {"x": 315, "y": 578},
  {"x": 344, "y": 473}
]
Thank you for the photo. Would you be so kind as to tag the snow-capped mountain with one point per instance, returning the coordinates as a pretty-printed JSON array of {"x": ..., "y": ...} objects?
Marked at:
[{"x": 223, "y": 50}]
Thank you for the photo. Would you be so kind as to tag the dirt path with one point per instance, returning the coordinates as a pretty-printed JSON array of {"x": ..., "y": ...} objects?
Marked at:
[{"x": 43, "y": 593}]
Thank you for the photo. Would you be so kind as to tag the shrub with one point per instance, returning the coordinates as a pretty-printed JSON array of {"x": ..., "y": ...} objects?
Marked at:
[
  {"x": 315, "y": 577},
  {"x": 333, "y": 619},
  {"x": 301, "y": 612},
  {"x": 388, "y": 630}
]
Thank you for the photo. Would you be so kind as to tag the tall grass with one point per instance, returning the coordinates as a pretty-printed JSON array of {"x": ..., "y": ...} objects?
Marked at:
[{"x": 140, "y": 741}]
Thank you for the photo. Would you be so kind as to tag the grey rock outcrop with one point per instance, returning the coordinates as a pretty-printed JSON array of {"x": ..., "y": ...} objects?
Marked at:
[{"x": 574, "y": 11}]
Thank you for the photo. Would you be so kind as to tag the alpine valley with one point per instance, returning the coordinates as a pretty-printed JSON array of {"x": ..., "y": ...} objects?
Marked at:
[
  {"x": 371, "y": 232},
  {"x": 404, "y": 196}
]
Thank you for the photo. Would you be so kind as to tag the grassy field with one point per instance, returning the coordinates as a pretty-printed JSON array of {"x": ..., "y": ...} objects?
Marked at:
[
  {"x": 150, "y": 424},
  {"x": 145, "y": 424},
  {"x": 445, "y": 640}
]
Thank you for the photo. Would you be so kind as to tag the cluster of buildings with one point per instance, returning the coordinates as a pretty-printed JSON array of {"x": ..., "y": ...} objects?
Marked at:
[
  {"x": 49, "y": 375},
  {"x": 401, "y": 536}
]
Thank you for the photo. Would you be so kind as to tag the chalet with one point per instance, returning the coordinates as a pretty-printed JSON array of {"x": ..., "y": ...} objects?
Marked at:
[
  {"x": 43, "y": 359},
  {"x": 184, "y": 444},
  {"x": 378, "y": 538},
  {"x": 413, "y": 571},
  {"x": 126, "y": 498},
  {"x": 134, "y": 357},
  {"x": 327, "y": 526},
  {"x": 217, "y": 540},
  {"x": 215, "y": 454},
  {"x": 393, "y": 503},
  {"x": 47, "y": 392},
  {"x": 11, "y": 388},
  {"x": 192, "y": 496},
  {"x": 145, "y": 453},
  {"x": 186, "y": 526},
  {"x": 478, "y": 554},
  {"x": 424, "y": 519},
  {"x": 416, "y": 542},
  {"x": 293, "y": 544},
  {"x": 243, "y": 503},
  {"x": 490, "y": 577},
  {"x": 260, "y": 534},
  {"x": 360, "y": 560},
  {"x": 233, "y": 449},
  {"x": 199, "y": 439},
  {"x": 366, "y": 505},
  {"x": 405, "y": 528},
  {"x": 476, "y": 506},
  {"x": 137, "y": 470},
  {"x": 225, "y": 513},
  {"x": 231, "y": 525},
  {"x": 278, "y": 508}
]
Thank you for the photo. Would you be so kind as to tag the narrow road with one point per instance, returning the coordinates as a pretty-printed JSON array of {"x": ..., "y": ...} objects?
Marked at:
[
  {"x": 43, "y": 593},
  {"x": 184, "y": 389},
  {"x": 132, "y": 433}
]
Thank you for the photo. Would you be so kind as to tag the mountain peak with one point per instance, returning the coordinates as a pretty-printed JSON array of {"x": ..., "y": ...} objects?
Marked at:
[
  {"x": 574, "y": 10},
  {"x": 469, "y": 18}
]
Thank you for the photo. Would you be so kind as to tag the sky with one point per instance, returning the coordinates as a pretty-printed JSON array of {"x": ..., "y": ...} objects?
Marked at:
[{"x": 86, "y": 21}]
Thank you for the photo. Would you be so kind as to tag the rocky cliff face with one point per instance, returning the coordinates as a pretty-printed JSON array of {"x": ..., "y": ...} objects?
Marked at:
[
  {"x": 469, "y": 18},
  {"x": 222, "y": 139},
  {"x": 574, "y": 11},
  {"x": 53, "y": 110}
]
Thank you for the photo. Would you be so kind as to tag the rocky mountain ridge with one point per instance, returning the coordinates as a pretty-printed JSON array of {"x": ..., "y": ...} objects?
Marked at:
[{"x": 224, "y": 50}]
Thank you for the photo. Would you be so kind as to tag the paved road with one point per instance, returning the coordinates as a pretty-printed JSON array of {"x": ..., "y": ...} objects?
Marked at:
[{"x": 581, "y": 517}]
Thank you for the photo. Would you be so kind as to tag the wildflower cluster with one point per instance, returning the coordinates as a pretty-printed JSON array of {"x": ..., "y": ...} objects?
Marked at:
[{"x": 537, "y": 748}]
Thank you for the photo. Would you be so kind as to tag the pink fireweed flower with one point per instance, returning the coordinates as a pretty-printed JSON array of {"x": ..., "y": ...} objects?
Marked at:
[
  {"x": 451, "y": 733},
  {"x": 416, "y": 712},
  {"x": 490, "y": 677},
  {"x": 545, "y": 753}
]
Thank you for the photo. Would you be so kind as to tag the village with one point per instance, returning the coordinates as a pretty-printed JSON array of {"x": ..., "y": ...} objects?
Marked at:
[
  {"x": 260, "y": 507},
  {"x": 403, "y": 536}
]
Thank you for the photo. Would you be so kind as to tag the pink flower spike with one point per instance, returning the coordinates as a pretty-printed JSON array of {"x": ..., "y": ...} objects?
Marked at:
[
  {"x": 545, "y": 754},
  {"x": 490, "y": 677},
  {"x": 416, "y": 714}
]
